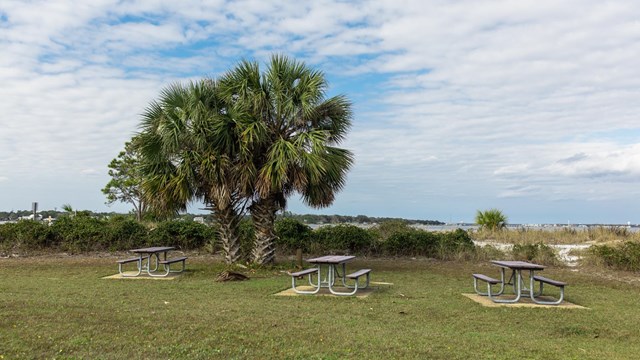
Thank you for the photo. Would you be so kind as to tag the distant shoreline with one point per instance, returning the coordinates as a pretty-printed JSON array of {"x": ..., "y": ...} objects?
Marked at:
[{"x": 464, "y": 226}]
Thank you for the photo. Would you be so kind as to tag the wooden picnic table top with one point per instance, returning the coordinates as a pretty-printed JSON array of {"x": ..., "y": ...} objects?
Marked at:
[
  {"x": 153, "y": 250},
  {"x": 331, "y": 259},
  {"x": 518, "y": 265}
]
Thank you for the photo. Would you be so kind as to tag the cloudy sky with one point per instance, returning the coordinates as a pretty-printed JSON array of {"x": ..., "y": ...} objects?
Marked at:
[{"x": 526, "y": 106}]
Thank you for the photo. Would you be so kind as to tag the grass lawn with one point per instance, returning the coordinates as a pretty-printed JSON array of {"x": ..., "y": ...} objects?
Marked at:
[{"x": 59, "y": 307}]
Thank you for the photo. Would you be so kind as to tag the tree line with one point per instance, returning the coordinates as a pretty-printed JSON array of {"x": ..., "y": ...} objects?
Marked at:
[
  {"x": 209, "y": 219},
  {"x": 358, "y": 219}
]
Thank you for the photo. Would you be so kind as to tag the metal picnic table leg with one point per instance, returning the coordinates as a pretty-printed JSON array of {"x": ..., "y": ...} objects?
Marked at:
[
  {"x": 155, "y": 268},
  {"x": 332, "y": 275},
  {"x": 165, "y": 259},
  {"x": 523, "y": 287},
  {"x": 517, "y": 288},
  {"x": 512, "y": 279},
  {"x": 541, "y": 302},
  {"x": 516, "y": 275},
  {"x": 532, "y": 284},
  {"x": 138, "y": 266},
  {"x": 144, "y": 267},
  {"x": 316, "y": 287},
  {"x": 501, "y": 282},
  {"x": 310, "y": 278},
  {"x": 344, "y": 277},
  {"x": 502, "y": 285},
  {"x": 331, "y": 270},
  {"x": 327, "y": 281}
]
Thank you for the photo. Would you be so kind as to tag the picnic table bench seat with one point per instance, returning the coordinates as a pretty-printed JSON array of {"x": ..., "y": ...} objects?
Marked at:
[
  {"x": 126, "y": 261},
  {"x": 309, "y": 272},
  {"x": 486, "y": 278},
  {"x": 545, "y": 280},
  {"x": 304, "y": 272},
  {"x": 490, "y": 281},
  {"x": 354, "y": 276},
  {"x": 549, "y": 281},
  {"x": 173, "y": 260},
  {"x": 357, "y": 274},
  {"x": 166, "y": 263}
]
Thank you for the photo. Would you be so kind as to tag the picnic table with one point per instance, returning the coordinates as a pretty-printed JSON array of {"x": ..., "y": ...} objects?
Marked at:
[
  {"x": 517, "y": 281},
  {"x": 151, "y": 255},
  {"x": 333, "y": 267}
]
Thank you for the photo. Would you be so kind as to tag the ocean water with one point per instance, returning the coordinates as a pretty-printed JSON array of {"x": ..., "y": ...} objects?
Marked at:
[{"x": 466, "y": 226}]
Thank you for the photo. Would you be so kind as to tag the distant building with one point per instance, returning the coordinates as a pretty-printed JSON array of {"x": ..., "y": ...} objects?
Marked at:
[{"x": 30, "y": 217}]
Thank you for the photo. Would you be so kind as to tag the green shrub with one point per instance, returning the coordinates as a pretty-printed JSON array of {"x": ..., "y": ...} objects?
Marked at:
[
  {"x": 385, "y": 229},
  {"x": 605, "y": 255},
  {"x": 181, "y": 234},
  {"x": 407, "y": 241},
  {"x": 80, "y": 233},
  {"x": 343, "y": 238},
  {"x": 412, "y": 242},
  {"x": 292, "y": 234},
  {"x": 485, "y": 253},
  {"x": 125, "y": 233},
  {"x": 623, "y": 257},
  {"x": 27, "y": 235},
  {"x": 454, "y": 243},
  {"x": 538, "y": 252}
]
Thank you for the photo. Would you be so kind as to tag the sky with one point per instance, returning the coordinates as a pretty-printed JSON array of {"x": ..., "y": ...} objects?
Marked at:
[{"x": 530, "y": 107}]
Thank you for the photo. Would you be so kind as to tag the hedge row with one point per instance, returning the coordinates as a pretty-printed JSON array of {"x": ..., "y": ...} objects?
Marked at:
[
  {"x": 84, "y": 233},
  {"x": 393, "y": 238}
]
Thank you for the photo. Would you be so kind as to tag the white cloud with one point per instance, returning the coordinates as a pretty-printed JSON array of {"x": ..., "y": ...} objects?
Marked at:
[{"x": 475, "y": 100}]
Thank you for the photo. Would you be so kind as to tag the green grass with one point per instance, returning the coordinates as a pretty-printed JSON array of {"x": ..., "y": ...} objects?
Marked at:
[{"x": 61, "y": 308}]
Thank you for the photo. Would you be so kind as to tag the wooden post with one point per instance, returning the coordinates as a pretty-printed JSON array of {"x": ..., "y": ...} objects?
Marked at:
[{"x": 299, "y": 258}]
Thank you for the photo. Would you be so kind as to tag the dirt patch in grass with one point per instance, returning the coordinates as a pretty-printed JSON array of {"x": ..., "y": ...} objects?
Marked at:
[{"x": 524, "y": 302}]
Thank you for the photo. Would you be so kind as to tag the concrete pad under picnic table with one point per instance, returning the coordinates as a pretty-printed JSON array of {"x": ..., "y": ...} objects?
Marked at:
[
  {"x": 362, "y": 293},
  {"x": 143, "y": 276},
  {"x": 524, "y": 302}
]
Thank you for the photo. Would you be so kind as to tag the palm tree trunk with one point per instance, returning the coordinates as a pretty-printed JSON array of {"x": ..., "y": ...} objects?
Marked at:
[
  {"x": 228, "y": 231},
  {"x": 263, "y": 213}
]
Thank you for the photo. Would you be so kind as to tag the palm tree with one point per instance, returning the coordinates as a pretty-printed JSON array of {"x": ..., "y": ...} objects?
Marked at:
[
  {"x": 68, "y": 208},
  {"x": 290, "y": 141},
  {"x": 492, "y": 219},
  {"x": 188, "y": 146}
]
